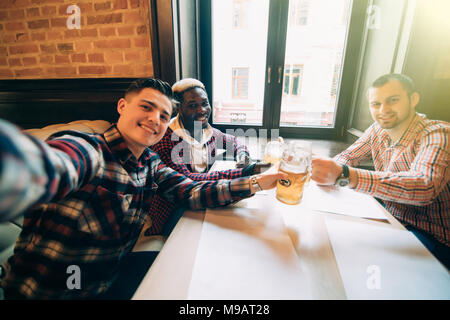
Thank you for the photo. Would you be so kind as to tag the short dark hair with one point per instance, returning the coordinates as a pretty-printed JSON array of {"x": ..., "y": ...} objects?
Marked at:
[
  {"x": 140, "y": 84},
  {"x": 406, "y": 82}
]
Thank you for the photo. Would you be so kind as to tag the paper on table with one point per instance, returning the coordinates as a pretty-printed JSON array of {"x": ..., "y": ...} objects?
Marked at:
[
  {"x": 246, "y": 253},
  {"x": 384, "y": 263},
  {"x": 342, "y": 201}
]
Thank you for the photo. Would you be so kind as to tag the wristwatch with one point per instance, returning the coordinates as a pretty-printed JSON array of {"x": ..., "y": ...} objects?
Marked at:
[
  {"x": 255, "y": 184},
  {"x": 343, "y": 180}
]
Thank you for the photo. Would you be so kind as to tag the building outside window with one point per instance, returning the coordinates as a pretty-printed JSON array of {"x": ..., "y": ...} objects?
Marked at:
[
  {"x": 293, "y": 75},
  {"x": 299, "y": 12},
  {"x": 240, "y": 83},
  {"x": 239, "y": 14}
]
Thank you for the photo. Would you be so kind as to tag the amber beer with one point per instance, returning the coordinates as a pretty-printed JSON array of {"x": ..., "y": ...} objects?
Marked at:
[{"x": 290, "y": 190}]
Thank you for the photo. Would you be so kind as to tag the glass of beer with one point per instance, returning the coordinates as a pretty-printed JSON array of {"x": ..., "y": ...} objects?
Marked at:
[
  {"x": 296, "y": 162},
  {"x": 273, "y": 151}
]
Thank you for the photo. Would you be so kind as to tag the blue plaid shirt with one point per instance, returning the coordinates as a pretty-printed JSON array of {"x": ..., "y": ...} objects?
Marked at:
[{"x": 85, "y": 198}]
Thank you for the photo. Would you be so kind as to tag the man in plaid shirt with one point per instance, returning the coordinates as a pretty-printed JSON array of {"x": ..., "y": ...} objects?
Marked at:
[
  {"x": 84, "y": 197},
  {"x": 411, "y": 158},
  {"x": 190, "y": 147}
]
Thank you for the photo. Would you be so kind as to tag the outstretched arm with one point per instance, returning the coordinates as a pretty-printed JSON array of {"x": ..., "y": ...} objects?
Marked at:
[{"x": 33, "y": 172}]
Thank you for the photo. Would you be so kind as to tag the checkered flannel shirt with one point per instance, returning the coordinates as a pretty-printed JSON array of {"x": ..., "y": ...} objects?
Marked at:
[
  {"x": 97, "y": 195},
  {"x": 412, "y": 176},
  {"x": 175, "y": 152}
]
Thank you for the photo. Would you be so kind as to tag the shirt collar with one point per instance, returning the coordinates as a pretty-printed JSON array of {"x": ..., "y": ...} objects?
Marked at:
[
  {"x": 412, "y": 130},
  {"x": 177, "y": 126},
  {"x": 119, "y": 148}
]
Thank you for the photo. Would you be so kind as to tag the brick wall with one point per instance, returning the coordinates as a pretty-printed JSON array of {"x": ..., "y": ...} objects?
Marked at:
[{"x": 113, "y": 41}]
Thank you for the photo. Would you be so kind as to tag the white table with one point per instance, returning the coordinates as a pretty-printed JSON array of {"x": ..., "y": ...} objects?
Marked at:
[{"x": 171, "y": 273}]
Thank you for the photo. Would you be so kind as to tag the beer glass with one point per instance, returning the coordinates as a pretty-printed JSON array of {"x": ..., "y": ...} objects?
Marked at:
[
  {"x": 273, "y": 151},
  {"x": 296, "y": 163}
]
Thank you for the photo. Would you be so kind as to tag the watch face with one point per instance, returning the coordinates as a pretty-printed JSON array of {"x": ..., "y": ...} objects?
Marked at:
[{"x": 343, "y": 182}]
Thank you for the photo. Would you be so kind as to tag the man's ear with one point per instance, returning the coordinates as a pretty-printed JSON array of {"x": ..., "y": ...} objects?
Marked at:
[
  {"x": 415, "y": 98},
  {"x": 121, "y": 104}
]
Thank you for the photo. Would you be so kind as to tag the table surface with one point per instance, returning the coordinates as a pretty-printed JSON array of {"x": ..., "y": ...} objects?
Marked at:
[{"x": 170, "y": 275}]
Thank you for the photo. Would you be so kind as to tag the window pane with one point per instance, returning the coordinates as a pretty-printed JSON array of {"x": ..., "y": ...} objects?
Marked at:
[
  {"x": 239, "y": 64},
  {"x": 314, "y": 47}
]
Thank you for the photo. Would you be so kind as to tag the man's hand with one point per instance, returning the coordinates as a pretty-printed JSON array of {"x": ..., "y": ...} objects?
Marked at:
[
  {"x": 261, "y": 167},
  {"x": 269, "y": 178},
  {"x": 244, "y": 160},
  {"x": 325, "y": 171}
]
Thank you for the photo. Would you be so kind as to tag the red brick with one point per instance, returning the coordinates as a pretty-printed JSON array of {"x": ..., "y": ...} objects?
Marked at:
[
  {"x": 73, "y": 33},
  {"x": 32, "y": 12},
  {"x": 9, "y": 38},
  {"x": 78, "y": 57},
  {"x": 24, "y": 48},
  {"x": 58, "y": 22},
  {"x": 22, "y": 37},
  {"x": 89, "y": 32},
  {"x": 13, "y": 3},
  {"x": 108, "y": 32},
  {"x": 145, "y": 70},
  {"x": 125, "y": 30},
  {"x": 65, "y": 71},
  {"x": 81, "y": 46},
  {"x": 4, "y": 15},
  {"x": 48, "y": 48},
  {"x": 93, "y": 69},
  {"x": 132, "y": 17},
  {"x": 40, "y": 36},
  {"x": 120, "y": 4},
  {"x": 3, "y": 51},
  {"x": 96, "y": 57},
  {"x": 14, "y": 62},
  {"x": 1, "y": 26},
  {"x": 55, "y": 35},
  {"x": 14, "y": 26},
  {"x": 46, "y": 1},
  {"x": 38, "y": 24},
  {"x": 28, "y": 72},
  {"x": 17, "y": 14},
  {"x": 134, "y": 4},
  {"x": 141, "y": 29},
  {"x": 65, "y": 47},
  {"x": 102, "y": 6},
  {"x": 123, "y": 70},
  {"x": 46, "y": 59},
  {"x": 29, "y": 61},
  {"x": 141, "y": 42},
  {"x": 113, "y": 56},
  {"x": 3, "y": 62},
  {"x": 62, "y": 59},
  {"x": 6, "y": 73},
  {"x": 85, "y": 7},
  {"x": 115, "y": 43},
  {"x": 132, "y": 56},
  {"x": 48, "y": 10},
  {"x": 105, "y": 19}
]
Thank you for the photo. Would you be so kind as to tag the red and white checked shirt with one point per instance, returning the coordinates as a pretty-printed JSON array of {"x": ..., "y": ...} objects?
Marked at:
[{"x": 411, "y": 175}]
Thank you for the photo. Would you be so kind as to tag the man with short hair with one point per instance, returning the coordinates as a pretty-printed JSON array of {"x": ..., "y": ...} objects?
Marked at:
[
  {"x": 84, "y": 198},
  {"x": 411, "y": 159},
  {"x": 190, "y": 146}
]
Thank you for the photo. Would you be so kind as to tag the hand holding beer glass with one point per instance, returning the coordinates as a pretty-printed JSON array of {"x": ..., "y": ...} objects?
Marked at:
[{"x": 296, "y": 162}]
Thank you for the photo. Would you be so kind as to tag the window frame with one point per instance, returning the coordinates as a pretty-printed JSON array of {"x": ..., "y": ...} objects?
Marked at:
[{"x": 272, "y": 94}]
